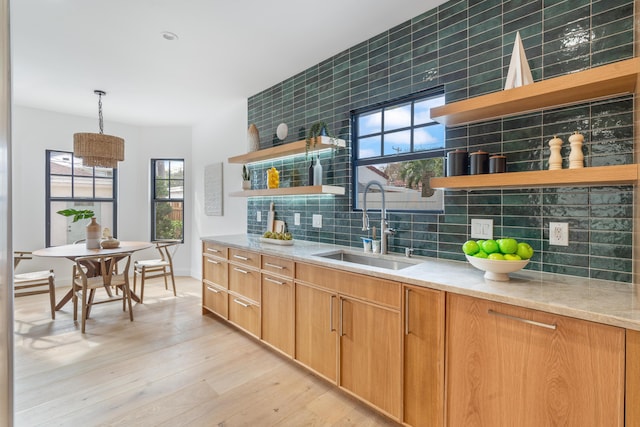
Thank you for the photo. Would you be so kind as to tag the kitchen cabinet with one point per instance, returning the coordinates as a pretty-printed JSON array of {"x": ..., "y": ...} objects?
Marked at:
[
  {"x": 244, "y": 290},
  {"x": 508, "y": 365},
  {"x": 632, "y": 396},
  {"x": 289, "y": 149},
  {"x": 363, "y": 344},
  {"x": 423, "y": 356},
  {"x": 277, "y": 304},
  {"x": 214, "y": 279}
]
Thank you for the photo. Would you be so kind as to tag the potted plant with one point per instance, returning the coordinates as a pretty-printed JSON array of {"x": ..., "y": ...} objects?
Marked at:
[
  {"x": 77, "y": 214},
  {"x": 246, "y": 178},
  {"x": 317, "y": 129}
]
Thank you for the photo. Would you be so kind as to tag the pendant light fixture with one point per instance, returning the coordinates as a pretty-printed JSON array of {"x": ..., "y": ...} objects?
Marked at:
[{"x": 98, "y": 149}]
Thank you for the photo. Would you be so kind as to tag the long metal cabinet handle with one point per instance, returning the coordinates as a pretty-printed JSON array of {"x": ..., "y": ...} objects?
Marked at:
[
  {"x": 520, "y": 319},
  {"x": 341, "y": 306},
  {"x": 243, "y": 258},
  {"x": 237, "y": 301},
  {"x": 406, "y": 311},
  {"x": 239, "y": 270},
  {"x": 212, "y": 289},
  {"x": 212, "y": 250},
  {"x": 279, "y": 267},
  {"x": 212, "y": 261},
  {"x": 331, "y": 328},
  {"x": 277, "y": 282}
]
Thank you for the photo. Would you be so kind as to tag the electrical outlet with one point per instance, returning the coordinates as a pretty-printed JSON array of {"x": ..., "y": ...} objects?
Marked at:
[
  {"x": 259, "y": 216},
  {"x": 317, "y": 221},
  {"x": 296, "y": 218},
  {"x": 559, "y": 233},
  {"x": 481, "y": 228}
]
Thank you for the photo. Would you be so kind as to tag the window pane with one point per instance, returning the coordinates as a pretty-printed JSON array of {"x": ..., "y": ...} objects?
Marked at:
[
  {"x": 79, "y": 170},
  {"x": 104, "y": 188},
  {"x": 369, "y": 147},
  {"x": 82, "y": 187},
  {"x": 60, "y": 186},
  {"x": 177, "y": 169},
  {"x": 162, "y": 169},
  {"x": 64, "y": 231},
  {"x": 370, "y": 123},
  {"x": 104, "y": 172},
  {"x": 162, "y": 189},
  {"x": 397, "y": 142},
  {"x": 60, "y": 163},
  {"x": 168, "y": 220},
  {"x": 422, "y": 110},
  {"x": 177, "y": 189},
  {"x": 428, "y": 137},
  {"x": 397, "y": 117}
]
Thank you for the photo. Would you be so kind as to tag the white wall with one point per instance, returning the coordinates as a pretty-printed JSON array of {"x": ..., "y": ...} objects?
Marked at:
[
  {"x": 214, "y": 140},
  {"x": 34, "y": 131}
]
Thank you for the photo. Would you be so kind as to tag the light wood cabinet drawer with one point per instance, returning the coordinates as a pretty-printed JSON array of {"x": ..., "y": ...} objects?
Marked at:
[
  {"x": 276, "y": 265},
  {"x": 215, "y": 299},
  {"x": 247, "y": 258},
  {"x": 244, "y": 281},
  {"x": 244, "y": 313},
  {"x": 214, "y": 249},
  {"x": 214, "y": 270},
  {"x": 385, "y": 292}
]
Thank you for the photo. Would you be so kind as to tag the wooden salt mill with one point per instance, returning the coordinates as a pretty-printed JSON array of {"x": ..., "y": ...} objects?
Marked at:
[
  {"x": 576, "y": 158},
  {"x": 555, "y": 159}
]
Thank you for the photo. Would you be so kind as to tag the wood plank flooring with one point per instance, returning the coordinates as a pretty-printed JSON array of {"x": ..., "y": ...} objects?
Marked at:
[{"x": 171, "y": 366}]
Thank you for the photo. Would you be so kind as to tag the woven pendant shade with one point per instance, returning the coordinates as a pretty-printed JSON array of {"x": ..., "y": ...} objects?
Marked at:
[{"x": 98, "y": 149}]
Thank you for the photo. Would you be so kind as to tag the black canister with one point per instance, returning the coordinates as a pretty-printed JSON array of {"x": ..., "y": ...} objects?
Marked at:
[
  {"x": 479, "y": 162},
  {"x": 457, "y": 163},
  {"x": 497, "y": 164}
]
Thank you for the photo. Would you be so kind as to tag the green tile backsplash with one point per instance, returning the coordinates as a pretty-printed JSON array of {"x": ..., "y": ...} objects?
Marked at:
[{"x": 466, "y": 46}]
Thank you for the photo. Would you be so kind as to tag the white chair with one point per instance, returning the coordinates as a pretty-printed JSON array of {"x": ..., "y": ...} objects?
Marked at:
[
  {"x": 162, "y": 267},
  {"x": 101, "y": 274},
  {"x": 34, "y": 282}
]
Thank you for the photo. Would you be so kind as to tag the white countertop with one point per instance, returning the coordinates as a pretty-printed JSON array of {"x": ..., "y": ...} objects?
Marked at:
[{"x": 600, "y": 301}]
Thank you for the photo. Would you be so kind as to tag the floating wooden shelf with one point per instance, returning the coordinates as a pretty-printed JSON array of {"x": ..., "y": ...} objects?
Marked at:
[
  {"x": 291, "y": 191},
  {"x": 607, "y": 81},
  {"x": 593, "y": 176},
  {"x": 297, "y": 147}
]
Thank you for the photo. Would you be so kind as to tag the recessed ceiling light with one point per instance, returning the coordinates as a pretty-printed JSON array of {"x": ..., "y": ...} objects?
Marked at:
[{"x": 168, "y": 35}]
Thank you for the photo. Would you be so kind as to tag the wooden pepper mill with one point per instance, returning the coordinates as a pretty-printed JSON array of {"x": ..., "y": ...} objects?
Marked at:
[
  {"x": 555, "y": 159},
  {"x": 576, "y": 158}
]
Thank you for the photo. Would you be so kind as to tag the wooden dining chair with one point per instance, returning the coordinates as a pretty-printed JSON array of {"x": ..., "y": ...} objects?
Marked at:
[
  {"x": 99, "y": 272},
  {"x": 34, "y": 282},
  {"x": 152, "y": 268}
]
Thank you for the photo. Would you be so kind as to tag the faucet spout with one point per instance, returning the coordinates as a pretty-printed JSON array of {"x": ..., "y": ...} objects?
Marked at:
[{"x": 384, "y": 230}]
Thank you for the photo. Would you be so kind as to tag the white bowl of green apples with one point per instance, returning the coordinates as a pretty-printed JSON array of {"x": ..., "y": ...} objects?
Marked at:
[{"x": 497, "y": 258}]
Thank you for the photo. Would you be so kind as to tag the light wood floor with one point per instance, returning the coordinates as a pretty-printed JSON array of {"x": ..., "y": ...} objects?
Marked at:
[{"x": 171, "y": 366}]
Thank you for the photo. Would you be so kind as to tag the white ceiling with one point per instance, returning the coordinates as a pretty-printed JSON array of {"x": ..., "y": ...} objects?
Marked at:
[{"x": 64, "y": 49}]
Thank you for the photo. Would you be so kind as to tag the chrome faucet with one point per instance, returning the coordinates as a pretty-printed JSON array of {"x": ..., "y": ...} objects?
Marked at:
[{"x": 384, "y": 226}]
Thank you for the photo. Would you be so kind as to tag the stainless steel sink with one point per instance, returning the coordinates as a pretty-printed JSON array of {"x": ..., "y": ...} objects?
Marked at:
[{"x": 364, "y": 259}]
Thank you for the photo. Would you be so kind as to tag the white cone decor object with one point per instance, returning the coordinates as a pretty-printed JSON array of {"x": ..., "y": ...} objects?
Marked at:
[
  {"x": 519, "y": 73},
  {"x": 576, "y": 158},
  {"x": 253, "y": 138}
]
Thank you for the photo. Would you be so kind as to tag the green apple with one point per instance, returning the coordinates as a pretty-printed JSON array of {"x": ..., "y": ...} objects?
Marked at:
[
  {"x": 470, "y": 247},
  {"x": 525, "y": 251},
  {"x": 496, "y": 256},
  {"x": 481, "y": 254},
  {"x": 512, "y": 257},
  {"x": 508, "y": 246},
  {"x": 490, "y": 246}
]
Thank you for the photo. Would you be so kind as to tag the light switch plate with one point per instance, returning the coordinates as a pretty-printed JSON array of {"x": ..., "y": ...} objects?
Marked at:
[
  {"x": 317, "y": 221},
  {"x": 481, "y": 228},
  {"x": 296, "y": 218}
]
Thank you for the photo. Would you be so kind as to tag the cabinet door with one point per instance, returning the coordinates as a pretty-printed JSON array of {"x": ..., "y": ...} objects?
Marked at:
[
  {"x": 277, "y": 312},
  {"x": 370, "y": 353},
  {"x": 510, "y": 366},
  {"x": 423, "y": 357},
  {"x": 316, "y": 338},
  {"x": 214, "y": 299}
]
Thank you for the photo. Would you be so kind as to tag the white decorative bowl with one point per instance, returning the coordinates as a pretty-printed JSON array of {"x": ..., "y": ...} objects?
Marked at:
[{"x": 496, "y": 269}]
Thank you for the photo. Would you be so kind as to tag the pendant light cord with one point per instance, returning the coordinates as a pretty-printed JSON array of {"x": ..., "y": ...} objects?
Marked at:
[{"x": 100, "y": 113}]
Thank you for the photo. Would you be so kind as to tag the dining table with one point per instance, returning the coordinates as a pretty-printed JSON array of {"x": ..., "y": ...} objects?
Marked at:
[{"x": 77, "y": 250}]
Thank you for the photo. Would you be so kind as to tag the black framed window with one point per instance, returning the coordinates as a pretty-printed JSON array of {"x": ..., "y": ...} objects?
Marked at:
[
  {"x": 167, "y": 199},
  {"x": 398, "y": 145},
  {"x": 73, "y": 186}
]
